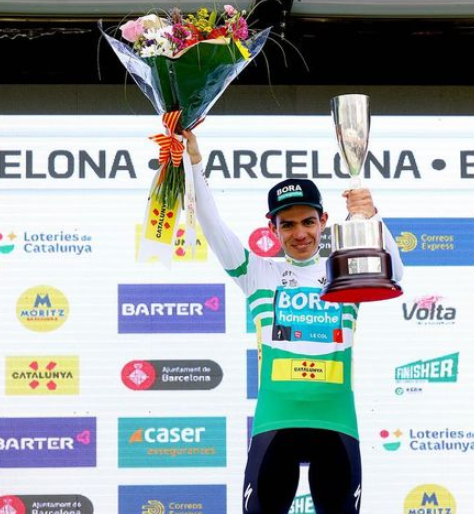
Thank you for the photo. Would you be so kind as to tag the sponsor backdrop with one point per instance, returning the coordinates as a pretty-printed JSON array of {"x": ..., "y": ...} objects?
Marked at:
[{"x": 129, "y": 388}]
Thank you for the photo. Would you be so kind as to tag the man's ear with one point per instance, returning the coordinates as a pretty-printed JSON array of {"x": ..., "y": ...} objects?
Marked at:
[
  {"x": 272, "y": 228},
  {"x": 324, "y": 219}
]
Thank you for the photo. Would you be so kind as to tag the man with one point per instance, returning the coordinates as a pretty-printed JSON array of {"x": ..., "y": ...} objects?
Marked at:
[{"x": 305, "y": 410}]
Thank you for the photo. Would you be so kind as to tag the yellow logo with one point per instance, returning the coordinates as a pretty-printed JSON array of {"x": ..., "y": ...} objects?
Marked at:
[
  {"x": 308, "y": 370},
  {"x": 153, "y": 507},
  {"x": 55, "y": 375},
  {"x": 182, "y": 251},
  {"x": 42, "y": 309},
  {"x": 161, "y": 221},
  {"x": 407, "y": 241},
  {"x": 429, "y": 498}
]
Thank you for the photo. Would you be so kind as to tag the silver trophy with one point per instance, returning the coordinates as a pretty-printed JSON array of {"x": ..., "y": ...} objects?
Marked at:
[{"x": 358, "y": 269}]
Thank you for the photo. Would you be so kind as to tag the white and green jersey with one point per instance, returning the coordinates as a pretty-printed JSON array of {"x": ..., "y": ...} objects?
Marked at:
[{"x": 305, "y": 344}]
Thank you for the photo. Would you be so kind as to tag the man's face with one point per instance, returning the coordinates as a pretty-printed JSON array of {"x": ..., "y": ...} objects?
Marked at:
[{"x": 299, "y": 229}]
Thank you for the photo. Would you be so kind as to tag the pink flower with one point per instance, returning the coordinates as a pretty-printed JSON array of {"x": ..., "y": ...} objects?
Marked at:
[
  {"x": 240, "y": 29},
  {"x": 230, "y": 10},
  {"x": 132, "y": 30}
]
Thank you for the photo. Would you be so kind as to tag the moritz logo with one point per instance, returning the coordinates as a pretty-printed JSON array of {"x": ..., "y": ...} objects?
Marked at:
[
  {"x": 42, "y": 309},
  {"x": 429, "y": 499}
]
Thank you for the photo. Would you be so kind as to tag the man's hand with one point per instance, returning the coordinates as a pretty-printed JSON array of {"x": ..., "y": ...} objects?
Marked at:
[
  {"x": 360, "y": 201},
  {"x": 192, "y": 147}
]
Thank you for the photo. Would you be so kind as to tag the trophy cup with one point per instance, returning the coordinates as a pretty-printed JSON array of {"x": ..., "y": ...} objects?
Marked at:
[{"x": 358, "y": 269}]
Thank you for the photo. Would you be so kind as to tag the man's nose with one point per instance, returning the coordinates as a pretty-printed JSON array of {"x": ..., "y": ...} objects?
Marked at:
[{"x": 299, "y": 233}]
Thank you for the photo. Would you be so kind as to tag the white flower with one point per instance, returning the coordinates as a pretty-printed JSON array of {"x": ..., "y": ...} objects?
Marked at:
[
  {"x": 152, "y": 21},
  {"x": 150, "y": 51}
]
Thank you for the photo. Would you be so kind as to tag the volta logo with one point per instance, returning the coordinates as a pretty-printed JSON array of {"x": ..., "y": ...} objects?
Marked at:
[
  {"x": 171, "y": 308},
  {"x": 429, "y": 499},
  {"x": 171, "y": 374},
  {"x": 391, "y": 440},
  {"x": 172, "y": 442},
  {"x": 57, "y": 375},
  {"x": 182, "y": 251},
  {"x": 42, "y": 308},
  {"x": 170, "y": 499},
  {"x": 434, "y": 241},
  {"x": 429, "y": 310},
  {"x": 7, "y": 245},
  {"x": 46, "y": 504},
  {"x": 47, "y": 442}
]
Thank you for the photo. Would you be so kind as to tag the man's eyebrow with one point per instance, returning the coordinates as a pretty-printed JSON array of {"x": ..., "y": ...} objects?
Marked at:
[{"x": 303, "y": 220}]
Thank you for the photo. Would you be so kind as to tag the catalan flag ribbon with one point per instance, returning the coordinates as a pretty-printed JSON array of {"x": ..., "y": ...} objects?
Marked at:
[{"x": 171, "y": 148}]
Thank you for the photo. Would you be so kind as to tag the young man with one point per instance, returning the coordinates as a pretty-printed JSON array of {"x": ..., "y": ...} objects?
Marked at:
[{"x": 305, "y": 410}]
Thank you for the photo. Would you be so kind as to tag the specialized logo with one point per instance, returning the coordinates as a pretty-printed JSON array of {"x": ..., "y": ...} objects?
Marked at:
[
  {"x": 173, "y": 499},
  {"x": 171, "y": 308},
  {"x": 47, "y": 442},
  {"x": 171, "y": 375},
  {"x": 302, "y": 505},
  {"x": 7, "y": 244},
  {"x": 308, "y": 370},
  {"x": 182, "y": 251},
  {"x": 441, "y": 369},
  {"x": 301, "y": 314},
  {"x": 46, "y": 375},
  {"x": 434, "y": 241},
  {"x": 247, "y": 494},
  {"x": 42, "y": 308},
  {"x": 391, "y": 440},
  {"x": 172, "y": 442},
  {"x": 429, "y": 499},
  {"x": 46, "y": 504},
  {"x": 429, "y": 310}
]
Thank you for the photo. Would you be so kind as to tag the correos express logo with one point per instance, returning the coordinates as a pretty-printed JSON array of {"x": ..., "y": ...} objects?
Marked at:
[
  {"x": 407, "y": 242},
  {"x": 434, "y": 241},
  {"x": 42, "y": 308},
  {"x": 429, "y": 499}
]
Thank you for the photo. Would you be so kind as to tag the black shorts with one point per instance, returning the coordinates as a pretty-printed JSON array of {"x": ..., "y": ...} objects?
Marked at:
[{"x": 273, "y": 468}]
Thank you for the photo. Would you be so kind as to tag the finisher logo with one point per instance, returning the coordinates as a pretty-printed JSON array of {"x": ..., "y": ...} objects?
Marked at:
[
  {"x": 429, "y": 499},
  {"x": 47, "y": 442},
  {"x": 441, "y": 369},
  {"x": 171, "y": 308},
  {"x": 54, "y": 375},
  {"x": 42, "y": 309},
  {"x": 434, "y": 241},
  {"x": 172, "y": 442}
]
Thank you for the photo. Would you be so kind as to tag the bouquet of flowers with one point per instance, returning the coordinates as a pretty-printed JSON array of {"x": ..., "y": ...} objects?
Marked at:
[{"x": 183, "y": 64}]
